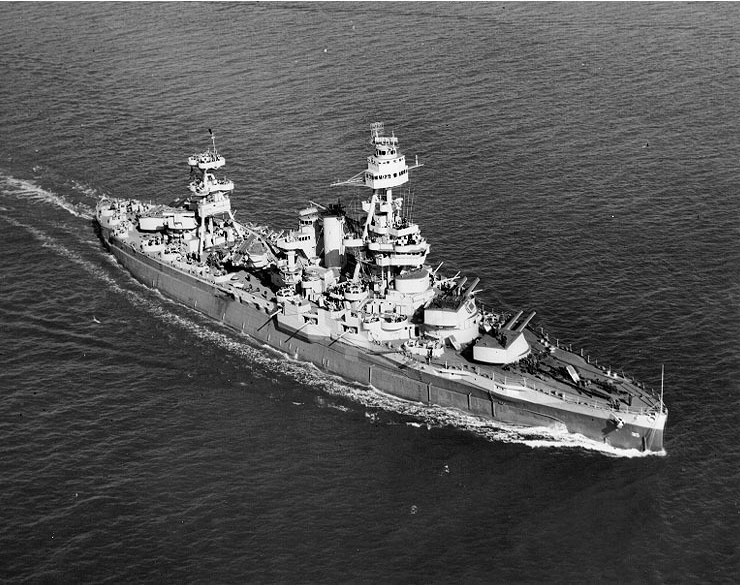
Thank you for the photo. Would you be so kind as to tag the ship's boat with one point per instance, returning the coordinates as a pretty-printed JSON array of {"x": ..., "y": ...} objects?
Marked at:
[{"x": 353, "y": 295}]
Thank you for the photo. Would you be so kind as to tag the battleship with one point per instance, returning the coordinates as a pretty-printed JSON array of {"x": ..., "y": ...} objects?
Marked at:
[{"x": 352, "y": 293}]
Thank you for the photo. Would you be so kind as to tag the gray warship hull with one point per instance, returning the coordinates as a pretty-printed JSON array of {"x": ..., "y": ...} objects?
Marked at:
[{"x": 255, "y": 317}]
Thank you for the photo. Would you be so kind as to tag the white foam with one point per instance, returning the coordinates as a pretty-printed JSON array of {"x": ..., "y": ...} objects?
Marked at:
[
  {"x": 30, "y": 190},
  {"x": 55, "y": 245},
  {"x": 87, "y": 190}
]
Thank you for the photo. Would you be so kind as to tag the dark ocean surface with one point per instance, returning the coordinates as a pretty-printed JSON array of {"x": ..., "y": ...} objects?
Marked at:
[{"x": 582, "y": 159}]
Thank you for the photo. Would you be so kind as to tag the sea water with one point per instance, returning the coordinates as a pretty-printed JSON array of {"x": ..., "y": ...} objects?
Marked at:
[{"x": 580, "y": 158}]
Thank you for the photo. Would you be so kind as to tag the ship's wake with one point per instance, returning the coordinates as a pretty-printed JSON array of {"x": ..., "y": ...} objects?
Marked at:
[
  {"x": 31, "y": 191},
  {"x": 380, "y": 408}
]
